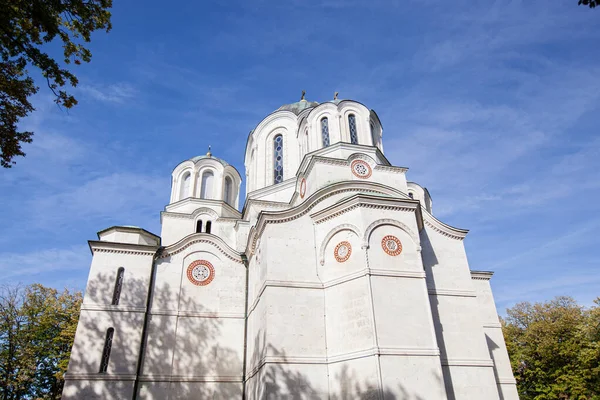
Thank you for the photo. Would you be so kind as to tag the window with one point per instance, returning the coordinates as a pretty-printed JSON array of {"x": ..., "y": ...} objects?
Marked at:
[
  {"x": 207, "y": 183},
  {"x": 208, "y": 226},
  {"x": 411, "y": 195},
  {"x": 373, "y": 135},
  {"x": 199, "y": 226},
  {"x": 352, "y": 126},
  {"x": 118, "y": 286},
  {"x": 278, "y": 159},
  {"x": 228, "y": 198},
  {"x": 106, "y": 351},
  {"x": 184, "y": 189},
  {"x": 325, "y": 131}
]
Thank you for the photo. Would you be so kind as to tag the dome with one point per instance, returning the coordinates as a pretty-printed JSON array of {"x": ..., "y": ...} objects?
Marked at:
[
  {"x": 209, "y": 156},
  {"x": 298, "y": 106}
]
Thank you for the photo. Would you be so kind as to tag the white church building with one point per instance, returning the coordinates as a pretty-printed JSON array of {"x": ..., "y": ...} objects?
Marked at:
[{"x": 334, "y": 280}]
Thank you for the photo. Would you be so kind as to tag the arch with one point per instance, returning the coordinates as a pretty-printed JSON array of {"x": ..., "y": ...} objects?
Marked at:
[
  {"x": 228, "y": 195},
  {"x": 352, "y": 129},
  {"x": 184, "y": 186},
  {"x": 118, "y": 286},
  {"x": 206, "y": 187},
  {"x": 325, "y": 131},
  {"x": 106, "y": 350},
  {"x": 392, "y": 222},
  {"x": 205, "y": 210},
  {"x": 332, "y": 233},
  {"x": 278, "y": 159}
]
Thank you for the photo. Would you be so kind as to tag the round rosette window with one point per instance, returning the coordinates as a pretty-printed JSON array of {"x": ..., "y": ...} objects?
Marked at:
[
  {"x": 361, "y": 169},
  {"x": 391, "y": 245},
  {"x": 201, "y": 272},
  {"x": 302, "y": 188},
  {"x": 342, "y": 251}
]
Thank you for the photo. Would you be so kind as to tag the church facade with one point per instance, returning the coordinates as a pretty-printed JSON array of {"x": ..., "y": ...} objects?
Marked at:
[{"x": 334, "y": 281}]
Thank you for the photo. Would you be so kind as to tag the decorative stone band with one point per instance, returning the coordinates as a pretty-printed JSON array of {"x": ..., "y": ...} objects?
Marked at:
[
  {"x": 99, "y": 377},
  {"x": 492, "y": 325},
  {"x": 122, "y": 248},
  {"x": 451, "y": 292},
  {"x": 191, "y": 378},
  {"x": 203, "y": 238},
  {"x": 155, "y": 311},
  {"x": 506, "y": 380},
  {"x": 481, "y": 275},
  {"x": 440, "y": 227},
  {"x": 334, "y": 282},
  {"x": 316, "y": 359},
  {"x": 111, "y": 308},
  {"x": 467, "y": 362}
]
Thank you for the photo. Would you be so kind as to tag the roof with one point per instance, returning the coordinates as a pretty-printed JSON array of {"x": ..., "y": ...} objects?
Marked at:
[
  {"x": 211, "y": 157},
  {"x": 298, "y": 106}
]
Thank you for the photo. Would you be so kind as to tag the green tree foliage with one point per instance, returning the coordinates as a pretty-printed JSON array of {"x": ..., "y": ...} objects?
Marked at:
[
  {"x": 26, "y": 26},
  {"x": 589, "y": 3},
  {"x": 554, "y": 349},
  {"x": 37, "y": 329}
]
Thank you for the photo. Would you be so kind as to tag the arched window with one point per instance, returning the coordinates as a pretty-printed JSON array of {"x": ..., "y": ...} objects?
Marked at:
[
  {"x": 352, "y": 126},
  {"x": 325, "y": 131},
  {"x": 277, "y": 159},
  {"x": 199, "y": 226},
  {"x": 228, "y": 195},
  {"x": 118, "y": 286},
  {"x": 184, "y": 189},
  {"x": 207, "y": 185},
  {"x": 411, "y": 195},
  {"x": 106, "y": 350},
  {"x": 208, "y": 226}
]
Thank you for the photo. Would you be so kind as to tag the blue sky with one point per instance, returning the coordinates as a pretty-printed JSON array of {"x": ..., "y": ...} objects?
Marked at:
[{"x": 494, "y": 108}]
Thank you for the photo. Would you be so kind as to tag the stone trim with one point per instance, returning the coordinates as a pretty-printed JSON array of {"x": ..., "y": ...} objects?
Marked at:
[
  {"x": 481, "y": 275},
  {"x": 202, "y": 238},
  {"x": 111, "y": 308},
  {"x": 492, "y": 325},
  {"x": 444, "y": 229},
  {"x": 506, "y": 381},
  {"x": 467, "y": 362},
  {"x": 451, "y": 292},
  {"x": 331, "y": 234},
  {"x": 69, "y": 376},
  {"x": 99, "y": 246},
  {"x": 361, "y": 200},
  {"x": 393, "y": 222},
  {"x": 191, "y": 378},
  {"x": 205, "y": 314}
]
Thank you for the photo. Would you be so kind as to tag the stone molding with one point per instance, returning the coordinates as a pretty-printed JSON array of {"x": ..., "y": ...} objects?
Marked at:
[
  {"x": 195, "y": 238},
  {"x": 332, "y": 233},
  {"x": 69, "y": 376},
  {"x": 191, "y": 378},
  {"x": 506, "y": 380},
  {"x": 481, "y": 275},
  {"x": 393, "y": 222},
  {"x": 361, "y": 200},
  {"x": 442, "y": 228},
  {"x": 492, "y": 325},
  {"x": 111, "y": 308},
  {"x": 324, "y": 285},
  {"x": 467, "y": 362},
  {"x": 451, "y": 292},
  {"x": 198, "y": 314},
  {"x": 98, "y": 246}
]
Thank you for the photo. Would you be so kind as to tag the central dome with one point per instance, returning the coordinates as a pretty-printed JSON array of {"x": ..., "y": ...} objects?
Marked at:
[{"x": 298, "y": 106}]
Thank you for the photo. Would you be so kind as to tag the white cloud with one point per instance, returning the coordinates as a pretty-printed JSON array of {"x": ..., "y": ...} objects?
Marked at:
[
  {"x": 113, "y": 93},
  {"x": 31, "y": 266}
]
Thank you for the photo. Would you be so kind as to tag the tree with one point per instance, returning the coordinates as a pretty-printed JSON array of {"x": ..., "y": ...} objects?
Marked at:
[
  {"x": 554, "y": 348},
  {"x": 589, "y": 3},
  {"x": 26, "y": 27},
  {"x": 37, "y": 329}
]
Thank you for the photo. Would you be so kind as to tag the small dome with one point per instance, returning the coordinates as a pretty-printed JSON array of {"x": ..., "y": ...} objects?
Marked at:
[
  {"x": 298, "y": 106},
  {"x": 209, "y": 156}
]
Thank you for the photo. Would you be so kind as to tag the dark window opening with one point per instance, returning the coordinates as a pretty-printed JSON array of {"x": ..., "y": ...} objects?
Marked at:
[
  {"x": 208, "y": 226},
  {"x": 199, "y": 226},
  {"x": 106, "y": 351},
  {"x": 118, "y": 286},
  {"x": 411, "y": 195}
]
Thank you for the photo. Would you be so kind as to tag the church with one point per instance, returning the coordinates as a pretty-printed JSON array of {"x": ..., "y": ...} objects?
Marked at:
[{"x": 333, "y": 280}]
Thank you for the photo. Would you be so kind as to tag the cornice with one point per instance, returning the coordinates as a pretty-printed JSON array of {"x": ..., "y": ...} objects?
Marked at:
[
  {"x": 292, "y": 213},
  {"x": 195, "y": 238},
  {"x": 69, "y": 376},
  {"x": 200, "y": 202},
  {"x": 481, "y": 275},
  {"x": 442, "y": 228},
  {"x": 97, "y": 246},
  {"x": 360, "y": 200}
]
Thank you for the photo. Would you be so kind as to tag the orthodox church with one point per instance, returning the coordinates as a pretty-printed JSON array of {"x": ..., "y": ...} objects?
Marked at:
[{"x": 334, "y": 280}]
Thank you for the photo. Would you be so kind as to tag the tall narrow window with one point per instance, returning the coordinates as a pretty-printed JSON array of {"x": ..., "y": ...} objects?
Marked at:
[
  {"x": 278, "y": 159},
  {"x": 352, "y": 126},
  {"x": 106, "y": 350},
  {"x": 184, "y": 189},
  {"x": 207, "y": 184},
  {"x": 208, "y": 226},
  {"x": 373, "y": 135},
  {"x": 228, "y": 198},
  {"x": 199, "y": 226},
  {"x": 118, "y": 286},
  {"x": 325, "y": 131}
]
